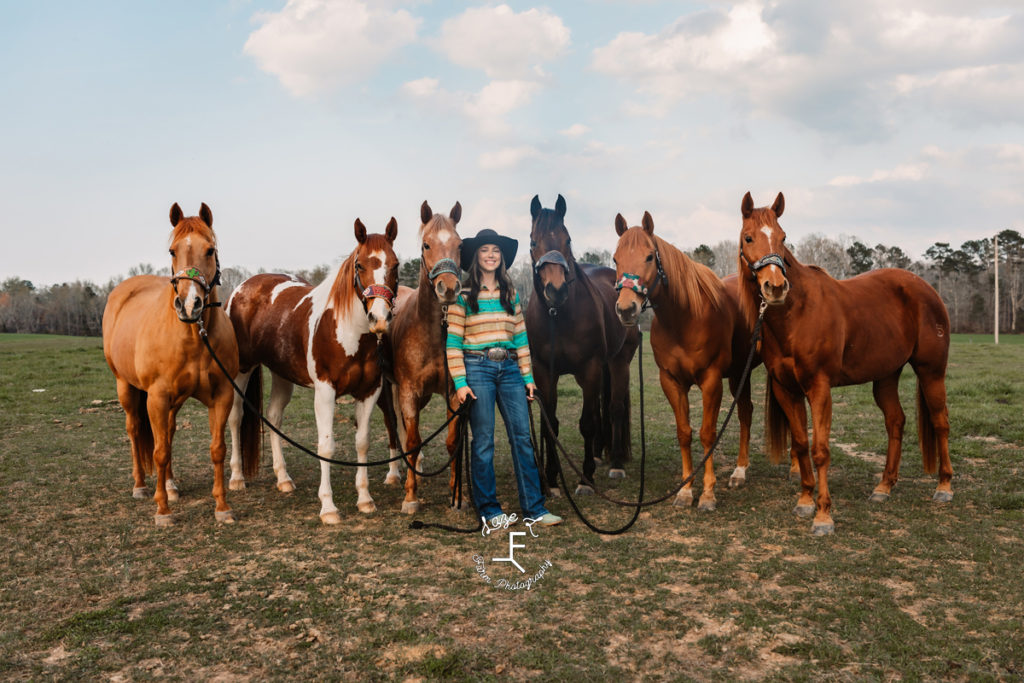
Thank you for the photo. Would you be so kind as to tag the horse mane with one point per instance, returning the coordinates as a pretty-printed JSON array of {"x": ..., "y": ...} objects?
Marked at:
[
  {"x": 701, "y": 288},
  {"x": 343, "y": 288}
]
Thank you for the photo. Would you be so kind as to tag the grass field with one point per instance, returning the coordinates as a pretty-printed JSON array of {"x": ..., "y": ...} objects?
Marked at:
[{"x": 907, "y": 590}]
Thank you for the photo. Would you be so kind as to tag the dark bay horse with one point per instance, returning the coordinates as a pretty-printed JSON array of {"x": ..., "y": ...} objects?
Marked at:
[
  {"x": 151, "y": 343},
  {"x": 820, "y": 332},
  {"x": 571, "y": 320},
  {"x": 698, "y": 337},
  {"x": 415, "y": 344},
  {"x": 324, "y": 337}
]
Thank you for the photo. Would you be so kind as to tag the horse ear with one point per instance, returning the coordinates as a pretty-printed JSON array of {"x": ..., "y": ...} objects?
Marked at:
[
  {"x": 648, "y": 223},
  {"x": 206, "y": 215},
  {"x": 747, "y": 206},
  {"x": 360, "y": 231},
  {"x": 779, "y": 205},
  {"x": 175, "y": 215},
  {"x": 560, "y": 207},
  {"x": 391, "y": 232},
  {"x": 426, "y": 213},
  {"x": 456, "y": 213},
  {"x": 620, "y": 225},
  {"x": 535, "y": 206}
]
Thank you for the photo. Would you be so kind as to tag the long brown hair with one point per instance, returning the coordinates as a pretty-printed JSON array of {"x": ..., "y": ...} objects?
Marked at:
[{"x": 505, "y": 285}]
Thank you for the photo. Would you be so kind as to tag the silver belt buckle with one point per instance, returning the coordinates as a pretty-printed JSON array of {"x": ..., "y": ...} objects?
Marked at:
[{"x": 497, "y": 353}]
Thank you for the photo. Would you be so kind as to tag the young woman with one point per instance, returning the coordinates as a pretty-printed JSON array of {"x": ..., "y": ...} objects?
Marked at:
[{"x": 489, "y": 360}]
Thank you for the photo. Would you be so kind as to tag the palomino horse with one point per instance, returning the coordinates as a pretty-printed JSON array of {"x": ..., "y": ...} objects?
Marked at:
[
  {"x": 325, "y": 337},
  {"x": 698, "y": 336},
  {"x": 820, "y": 333},
  {"x": 571, "y": 320},
  {"x": 152, "y": 344},
  {"x": 416, "y": 341}
]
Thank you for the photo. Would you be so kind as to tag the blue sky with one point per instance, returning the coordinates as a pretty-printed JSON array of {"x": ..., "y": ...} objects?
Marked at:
[{"x": 894, "y": 121}]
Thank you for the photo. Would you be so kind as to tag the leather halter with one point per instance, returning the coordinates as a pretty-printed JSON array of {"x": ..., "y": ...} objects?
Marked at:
[
  {"x": 634, "y": 283},
  {"x": 772, "y": 259},
  {"x": 445, "y": 265},
  {"x": 557, "y": 258},
  {"x": 375, "y": 291}
]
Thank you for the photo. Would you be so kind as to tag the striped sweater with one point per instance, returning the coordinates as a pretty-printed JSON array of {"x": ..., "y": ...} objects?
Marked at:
[{"x": 490, "y": 326}]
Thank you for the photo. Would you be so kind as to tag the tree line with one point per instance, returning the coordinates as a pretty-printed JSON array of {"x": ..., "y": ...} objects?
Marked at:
[{"x": 963, "y": 276}]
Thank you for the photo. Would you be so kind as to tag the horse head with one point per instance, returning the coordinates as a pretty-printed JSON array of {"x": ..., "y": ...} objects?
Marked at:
[
  {"x": 637, "y": 267},
  {"x": 376, "y": 273},
  {"x": 551, "y": 252},
  {"x": 194, "y": 262},
  {"x": 439, "y": 252},
  {"x": 763, "y": 250}
]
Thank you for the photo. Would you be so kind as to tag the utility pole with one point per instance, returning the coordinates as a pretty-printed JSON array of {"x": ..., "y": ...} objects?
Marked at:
[{"x": 996, "y": 251}]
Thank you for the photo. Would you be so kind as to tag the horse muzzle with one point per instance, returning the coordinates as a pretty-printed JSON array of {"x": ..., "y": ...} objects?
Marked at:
[
  {"x": 628, "y": 314},
  {"x": 190, "y": 310},
  {"x": 774, "y": 294},
  {"x": 379, "y": 317},
  {"x": 447, "y": 292}
]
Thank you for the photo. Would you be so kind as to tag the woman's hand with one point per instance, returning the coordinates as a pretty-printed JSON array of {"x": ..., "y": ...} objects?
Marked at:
[
  {"x": 463, "y": 392},
  {"x": 530, "y": 388}
]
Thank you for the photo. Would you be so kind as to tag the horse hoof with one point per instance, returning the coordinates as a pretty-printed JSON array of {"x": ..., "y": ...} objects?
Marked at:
[
  {"x": 707, "y": 506},
  {"x": 331, "y": 518},
  {"x": 555, "y": 492},
  {"x": 822, "y": 528},
  {"x": 140, "y": 493},
  {"x": 738, "y": 478},
  {"x": 172, "y": 495},
  {"x": 683, "y": 500},
  {"x": 286, "y": 486},
  {"x": 878, "y": 497},
  {"x": 224, "y": 516},
  {"x": 236, "y": 485},
  {"x": 584, "y": 490},
  {"x": 616, "y": 473},
  {"x": 392, "y": 479},
  {"x": 803, "y": 510},
  {"x": 943, "y": 496},
  {"x": 164, "y": 520},
  {"x": 367, "y": 506},
  {"x": 410, "y": 507}
]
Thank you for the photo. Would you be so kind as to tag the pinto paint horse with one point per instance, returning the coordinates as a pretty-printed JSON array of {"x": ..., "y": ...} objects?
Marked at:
[
  {"x": 151, "y": 342},
  {"x": 698, "y": 337},
  {"x": 571, "y": 320},
  {"x": 324, "y": 337},
  {"x": 415, "y": 344},
  {"x": 820, "y": 332}
]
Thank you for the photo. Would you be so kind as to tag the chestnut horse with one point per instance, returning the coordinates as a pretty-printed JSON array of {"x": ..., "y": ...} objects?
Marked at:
[
  {"x": 151, "y": 342},
  {"x": 323, "y": 337},
  {"x": 415, "y": 344},
  {"x": 820, "y": 333},
  {"x": 572, "y": 318},
  {"x": 698, "y": 336}
]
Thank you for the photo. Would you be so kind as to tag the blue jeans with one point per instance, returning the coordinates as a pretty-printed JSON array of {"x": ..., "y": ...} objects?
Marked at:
[{"x": 500, "y": 382}]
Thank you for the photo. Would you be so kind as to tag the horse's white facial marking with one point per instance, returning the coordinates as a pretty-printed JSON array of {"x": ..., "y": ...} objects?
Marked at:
[
  {"x": 281, "y": 287},
  {"x": 380, "y": 273},
  {"x": 192, "y": 299},
  {"x": 444, "y": 237},
  {"x": 767, "y": 232}
]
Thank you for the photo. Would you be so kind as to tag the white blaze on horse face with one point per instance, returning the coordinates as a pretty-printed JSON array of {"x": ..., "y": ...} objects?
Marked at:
[
  {"x": 444, "y": 236},
  {"x": 191, "y": 300},
  {"x": 380, "y": 274},
  {"x": 768, "y": 231}
]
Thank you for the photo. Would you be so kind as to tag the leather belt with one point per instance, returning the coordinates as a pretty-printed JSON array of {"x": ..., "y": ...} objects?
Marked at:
[{"x": 496, "y": 353}]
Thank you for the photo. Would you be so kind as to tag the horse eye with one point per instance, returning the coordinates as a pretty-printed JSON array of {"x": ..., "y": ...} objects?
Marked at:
[
  {"x": 425, "y": 246},
  {"x": 650, "y": 257},
  {"x": 209, "y": 252},
  {"x": 533, "y": 244},
  {"x": 748, "y": 239},
  {"x": 171, "y": 252}
]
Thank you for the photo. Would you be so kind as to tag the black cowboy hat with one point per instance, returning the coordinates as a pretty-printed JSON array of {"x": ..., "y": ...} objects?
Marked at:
[{"x": 507, "y": 245}]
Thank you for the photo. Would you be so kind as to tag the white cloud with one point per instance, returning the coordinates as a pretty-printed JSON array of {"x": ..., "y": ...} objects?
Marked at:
[
  {"x": 489, "y": 107},
  {"x": 505, "y": 45},
  {"x": 904, "y": 172},
  {"x": 575, "y": 130},
  {"x": 507, "y": 157},
  {"x": 422, "y": 87},
  {"x": 314, "y": 45}
]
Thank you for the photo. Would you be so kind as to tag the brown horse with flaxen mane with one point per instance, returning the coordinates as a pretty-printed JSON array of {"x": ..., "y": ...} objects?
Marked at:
[
  {"x": 698, "y": 336},
  {"x": 819, "y": 333},
  {"x": 151, "y": 342}
]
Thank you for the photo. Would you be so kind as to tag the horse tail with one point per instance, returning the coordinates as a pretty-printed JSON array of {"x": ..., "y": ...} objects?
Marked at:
[
  {"x": 250, "y": 432},
  {"x": 776, "y": 425},
  {"x": 144, "y": 432},
  {"x": 926, "y": 433}
]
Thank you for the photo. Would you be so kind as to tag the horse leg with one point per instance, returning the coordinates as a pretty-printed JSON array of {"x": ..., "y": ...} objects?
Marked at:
[
  {"x": 887, "y": 396},
  {"x": 820, "y": 398},
  {"x": 618, "y": 417},
  {"x": 364, "y": 409},
  {"x": 792, "y": 404},
  {"x": 170, "y": 485},
  {"x": 452, "y": 443},
  {"x": 933, "y": 427},
  {"x": 387, "y": 407},
  {"x": 547, "y": 391},
  {"x": 407, "y": 408},
  {"x": 680, "y": 402},
  {"x": 280, "y": 394},
  {"x": 220, "y": 409},
  {"x": 161, "y": 416},
  {"x": 590, "y": 422},
  {"x": 136, "y": 423},
  {"x": 711, "y": 396},
  {"x": 745, "y": 409},
  {"x": 324, "y": 396},
  {"x": 237, "y": 481}
]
